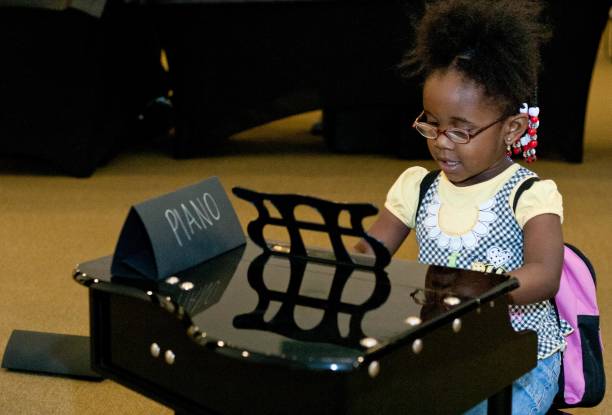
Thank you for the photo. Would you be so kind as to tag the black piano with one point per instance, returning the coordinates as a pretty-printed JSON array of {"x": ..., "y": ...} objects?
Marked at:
[
  {"x": 281, "y": 328},
  {"x": 255, "y": 332}
]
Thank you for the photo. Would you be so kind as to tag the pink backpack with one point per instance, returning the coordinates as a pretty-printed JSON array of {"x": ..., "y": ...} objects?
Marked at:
[{"x": 582, "y": 382}]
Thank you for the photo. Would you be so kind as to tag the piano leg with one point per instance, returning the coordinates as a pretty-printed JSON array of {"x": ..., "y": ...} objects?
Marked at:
[{"x": 501, "y": 402}]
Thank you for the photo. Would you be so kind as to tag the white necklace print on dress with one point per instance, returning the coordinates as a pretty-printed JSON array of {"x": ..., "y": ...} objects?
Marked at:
[{"x": 457, "y": 238}]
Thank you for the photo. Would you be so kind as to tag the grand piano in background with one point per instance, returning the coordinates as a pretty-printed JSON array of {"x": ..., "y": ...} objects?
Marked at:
[
  {"x": 80, "y": 79},
  {"x": 270, "y": 328},
  {"x": 238, "y": 64}
]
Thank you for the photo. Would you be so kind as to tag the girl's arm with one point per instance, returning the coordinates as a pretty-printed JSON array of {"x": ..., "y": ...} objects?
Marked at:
[
  {"x": 543, "y": 258},
  {"x": 388, "y": 229}
]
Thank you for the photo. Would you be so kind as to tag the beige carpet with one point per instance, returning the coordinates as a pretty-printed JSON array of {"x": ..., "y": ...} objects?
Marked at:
[{"x": 49, "y": 223}]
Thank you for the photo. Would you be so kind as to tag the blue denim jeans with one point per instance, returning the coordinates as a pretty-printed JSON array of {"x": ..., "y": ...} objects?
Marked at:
[{"x": 533, "y": 393}]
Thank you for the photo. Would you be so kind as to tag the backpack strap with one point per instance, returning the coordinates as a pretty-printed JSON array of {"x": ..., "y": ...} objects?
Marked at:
[
  {"x": 426, "y": 183},
  {"x": 526, "y": 185},
  {"x": 584, "y": 259}
]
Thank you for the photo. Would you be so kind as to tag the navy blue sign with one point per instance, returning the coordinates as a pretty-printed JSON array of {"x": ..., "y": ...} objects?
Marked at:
[{"x": 176, "y": 231}]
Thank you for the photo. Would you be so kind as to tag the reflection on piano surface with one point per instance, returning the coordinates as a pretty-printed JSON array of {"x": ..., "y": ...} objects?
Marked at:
[{"x": 327, "y": 330}]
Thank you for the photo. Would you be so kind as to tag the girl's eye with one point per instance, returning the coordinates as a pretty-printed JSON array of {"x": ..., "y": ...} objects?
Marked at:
[{"x": 465, "y": 127}]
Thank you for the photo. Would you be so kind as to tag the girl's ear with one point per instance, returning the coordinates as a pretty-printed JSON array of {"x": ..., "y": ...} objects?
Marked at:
[{"x": 515, "y": 127}]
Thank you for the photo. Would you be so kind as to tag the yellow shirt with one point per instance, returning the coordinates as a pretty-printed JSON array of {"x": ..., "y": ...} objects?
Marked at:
[{"x": 460, "y": 202}]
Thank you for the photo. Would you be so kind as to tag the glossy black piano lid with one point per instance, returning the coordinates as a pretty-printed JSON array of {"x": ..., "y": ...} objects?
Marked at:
[{"x": 320, "y": 316}]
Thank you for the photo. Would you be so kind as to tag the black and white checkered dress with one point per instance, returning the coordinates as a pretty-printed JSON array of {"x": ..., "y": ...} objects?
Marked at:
[{"x": 495, "y": 243}]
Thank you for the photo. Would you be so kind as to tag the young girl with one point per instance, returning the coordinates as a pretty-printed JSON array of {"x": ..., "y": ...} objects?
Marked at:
[{"x": 479, "y": 60}]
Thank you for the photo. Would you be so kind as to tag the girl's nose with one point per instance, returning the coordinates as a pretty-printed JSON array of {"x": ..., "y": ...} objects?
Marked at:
[{"x": 444, "y": 142}]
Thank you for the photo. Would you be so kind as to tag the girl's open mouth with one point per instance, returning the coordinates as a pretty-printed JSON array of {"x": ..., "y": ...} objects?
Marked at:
[{"x": 449, "y": 165}]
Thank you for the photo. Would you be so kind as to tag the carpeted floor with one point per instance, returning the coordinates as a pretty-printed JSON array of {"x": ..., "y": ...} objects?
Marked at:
[{"x": 49, "y": 223}]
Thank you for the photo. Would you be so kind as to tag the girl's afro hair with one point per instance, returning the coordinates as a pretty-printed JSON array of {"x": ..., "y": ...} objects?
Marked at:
[{"x": 495, "y": 43}]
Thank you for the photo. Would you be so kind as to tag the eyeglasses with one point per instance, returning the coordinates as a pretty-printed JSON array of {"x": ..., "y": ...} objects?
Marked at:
[
  {"x": 456, "y": 135},
  {"x": 431, "y": 298}
]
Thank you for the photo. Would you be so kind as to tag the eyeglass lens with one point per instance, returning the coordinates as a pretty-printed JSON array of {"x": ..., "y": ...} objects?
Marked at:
[{"x": 429, "y": 131}]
